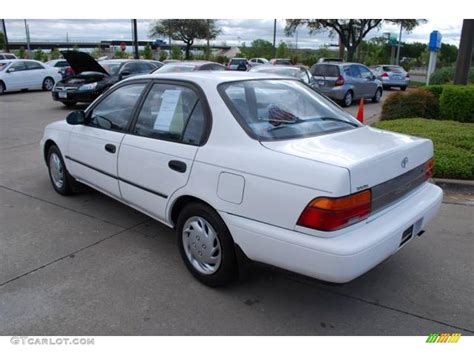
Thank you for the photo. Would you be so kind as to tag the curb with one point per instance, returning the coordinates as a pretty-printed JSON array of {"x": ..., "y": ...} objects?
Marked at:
[{"x": 455, "y": 183}]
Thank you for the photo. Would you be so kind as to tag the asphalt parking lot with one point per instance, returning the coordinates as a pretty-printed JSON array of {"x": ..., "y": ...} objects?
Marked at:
[{"x": 89, "y": 265}]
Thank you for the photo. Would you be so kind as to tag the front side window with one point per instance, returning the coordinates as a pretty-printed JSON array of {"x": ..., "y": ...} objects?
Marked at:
[
  {"x": 283, "y": 109},
  {"x": 114, "y": 112},
  {"x": 18, "y": 66},
  {"x": 365, "y": 73},
  {"x": 173, "y": 113}
]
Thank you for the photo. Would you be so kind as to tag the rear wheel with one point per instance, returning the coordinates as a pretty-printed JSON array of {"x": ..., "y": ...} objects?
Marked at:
[
  {"x": 377, "y": 96},
  {"x": 403, "y": 88},
  {"x": 2, "y": 88},
  {"x": 62, "y": 182},
  {"x": 206, "y": 245},
  {"x": 48, "y": 84},
  {"x": 347, "y": 100}
]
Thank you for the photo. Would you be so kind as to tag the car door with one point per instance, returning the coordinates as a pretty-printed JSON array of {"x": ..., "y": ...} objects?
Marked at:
[
  {"x": 36, "y": 73},
  {"x": 16, "y": 77},
  {"x": 155, "y": 160},
  {"x": 369, "y": 85},
  {"x": 93, "y": 147}
]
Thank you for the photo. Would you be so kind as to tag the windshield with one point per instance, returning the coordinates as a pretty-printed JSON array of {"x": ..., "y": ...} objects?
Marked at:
[
  {"x": 111, "y": 68},
  {"x": 325, "y": 70},
  {"x": 176, "y": 68},
  {"x": 283, "y": 109}
]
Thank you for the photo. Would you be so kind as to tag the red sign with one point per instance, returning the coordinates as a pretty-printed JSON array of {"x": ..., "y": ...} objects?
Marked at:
[{"x": 123, "y": 46}]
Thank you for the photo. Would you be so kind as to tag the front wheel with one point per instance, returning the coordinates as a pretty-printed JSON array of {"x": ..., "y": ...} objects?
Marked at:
[
  {"x": 48, "y": 84},
  {"x": 206, "y": 245},
  {"x": 63, "y": 183},
  {"x": 403, "y": 88}
]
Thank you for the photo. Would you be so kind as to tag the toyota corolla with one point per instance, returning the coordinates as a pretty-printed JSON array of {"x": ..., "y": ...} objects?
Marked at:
[{"x": 249, "y": 166}]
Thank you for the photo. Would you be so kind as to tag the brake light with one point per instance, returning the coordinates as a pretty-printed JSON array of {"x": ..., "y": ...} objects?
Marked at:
[
  {"x": 329, "y": 214},
  {"x": 385, "y": 75},
  {"x": 339, "y": 81},
  {"x": 429, "y": 169}
]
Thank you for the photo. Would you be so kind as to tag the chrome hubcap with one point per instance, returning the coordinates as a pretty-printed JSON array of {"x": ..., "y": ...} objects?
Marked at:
[
  {"x": 201, "y": 245},
  {"x": 56, "y": 169},
  {"x": 48, "y": 84}
]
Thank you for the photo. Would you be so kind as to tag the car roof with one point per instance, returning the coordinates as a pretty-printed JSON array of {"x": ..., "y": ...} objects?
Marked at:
[
  {"x": 19, "y": 60},
  {"x": 205, "y": 77}
]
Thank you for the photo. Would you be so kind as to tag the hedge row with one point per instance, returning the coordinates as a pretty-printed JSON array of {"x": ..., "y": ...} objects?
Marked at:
[
  {"x": 446, "y": 75},
  {"x": 451, "y": 102}
]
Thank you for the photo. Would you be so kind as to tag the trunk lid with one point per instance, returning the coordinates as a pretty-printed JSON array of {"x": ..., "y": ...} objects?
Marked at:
[
  {"x": 325, "y": 75},
  {"x": 372, "y": 156},
  {"x": 82, "y": 62}
]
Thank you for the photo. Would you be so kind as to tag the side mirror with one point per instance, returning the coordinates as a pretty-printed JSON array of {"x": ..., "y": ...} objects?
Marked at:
[
  {"x": 11, "y": 70},
  {"x": 76, "y": 117}
]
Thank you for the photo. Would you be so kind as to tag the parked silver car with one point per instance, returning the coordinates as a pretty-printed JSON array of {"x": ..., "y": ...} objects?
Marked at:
[
  {"x": 392, "y": 76},
  {"x": 298, "y": 72},
  {"x": 346, "y": 82}
]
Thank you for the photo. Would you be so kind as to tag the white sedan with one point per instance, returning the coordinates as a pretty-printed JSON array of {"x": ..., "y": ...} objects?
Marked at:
[
  {"x": 24, "y": 74},
  {"x": 249, "y": 166}
]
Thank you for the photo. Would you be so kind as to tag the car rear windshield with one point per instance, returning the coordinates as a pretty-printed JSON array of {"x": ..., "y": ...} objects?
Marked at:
[
  {"x": 238, "y": 61},
  {"x": 273, "y": 109},
  {"x": 325, "y": 70},
  {"x": 394, "y": 69}
]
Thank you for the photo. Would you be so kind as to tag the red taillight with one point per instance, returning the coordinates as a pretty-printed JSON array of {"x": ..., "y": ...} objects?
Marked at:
[
  {"x": 385, "y": 75},
  {"x": 339, "y": 81},
  {"x": 329, "y": 214},
  {"x": 429, "y": 169}
]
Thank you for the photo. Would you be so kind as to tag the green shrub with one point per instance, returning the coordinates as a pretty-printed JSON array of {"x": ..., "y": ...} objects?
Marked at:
[
  {"x": 436, "y": 90},
  {"x": 457, "y": 103},
  {"x": 414, "y": 103},
  {"x": 453, "y": 144},
  {"x": 445, "y": 75}
]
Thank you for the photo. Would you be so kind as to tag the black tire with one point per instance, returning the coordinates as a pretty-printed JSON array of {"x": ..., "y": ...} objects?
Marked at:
[
  {"x": 70, "y": 185},
  {"x": 403, "y": 88},
  {"x": 346, "y": 102},
  {"x": 2, "y": 88},
  {"x": 48, "y": 84},
  {"x": 228, "y": 269},
  {"x": 377, "y": 96},
  {"x": 69, "y": 103}
]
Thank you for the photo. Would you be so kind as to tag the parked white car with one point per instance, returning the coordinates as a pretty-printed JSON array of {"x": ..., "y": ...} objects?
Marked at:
[
  {"x": 24, "y": 74},
  {"x": 249, "y": 165}
]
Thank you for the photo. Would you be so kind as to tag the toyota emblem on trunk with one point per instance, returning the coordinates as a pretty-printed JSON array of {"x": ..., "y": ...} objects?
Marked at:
[{"x": 404, "y": 162}]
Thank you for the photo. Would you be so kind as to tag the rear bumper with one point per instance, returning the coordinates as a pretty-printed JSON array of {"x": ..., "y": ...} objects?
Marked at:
[
  {"x": 344, "y": 257},
  {"x": 397, "y": 83},
  {"x": 335, "y": 93}
]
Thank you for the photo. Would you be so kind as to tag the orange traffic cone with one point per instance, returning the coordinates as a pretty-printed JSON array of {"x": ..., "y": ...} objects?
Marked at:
[{"x": 360, "y": 111}]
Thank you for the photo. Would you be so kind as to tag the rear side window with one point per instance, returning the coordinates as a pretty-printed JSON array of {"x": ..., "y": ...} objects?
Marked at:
[
  {"x": 325, "y": 70},
  {"x": 114, "y": 112},
  {"x": 173, "y": 113}
]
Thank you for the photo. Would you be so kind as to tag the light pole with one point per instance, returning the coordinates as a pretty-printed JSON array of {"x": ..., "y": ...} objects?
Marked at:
[
  {"x": 27, "y": 31},
  {"x": 5, "y": 36},
  {"x": 135, "y": 39},
  {"x": 399, "y": 45},
  {"x": 274, "y": 37}
]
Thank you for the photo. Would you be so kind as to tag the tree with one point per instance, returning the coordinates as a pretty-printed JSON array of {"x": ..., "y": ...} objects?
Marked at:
[
  {"x": 351, "y": 32},
  {"x": 259, "y": 48},
  {"x": 147, "y": 52},
  {"x": 176, "y": 53},
  {"x": 39, "y": 55},
  {"x": 282, "y": 50},
  {"x": 21, "y": 53},
  {"x": 96, "y": 53},
  {"x": 186, "y": 31},
  {"x": 448, "y": 54},
  {"x": 55, "y": 54}
]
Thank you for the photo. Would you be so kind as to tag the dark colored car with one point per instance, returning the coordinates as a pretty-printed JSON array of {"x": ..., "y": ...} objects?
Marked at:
[
  {"x": 239, "y": 64},
  {"x": 188, "y": 66},
  {"x": 92, "y": 78},
  {"x": 298, "y": 72}
]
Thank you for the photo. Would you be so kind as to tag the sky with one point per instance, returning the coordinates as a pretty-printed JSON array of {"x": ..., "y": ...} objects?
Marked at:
[{"x": 234, "y": 32}]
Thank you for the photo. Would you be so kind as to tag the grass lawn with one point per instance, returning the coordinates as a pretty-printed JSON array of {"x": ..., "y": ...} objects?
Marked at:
[{"x": 453, "y": 143}]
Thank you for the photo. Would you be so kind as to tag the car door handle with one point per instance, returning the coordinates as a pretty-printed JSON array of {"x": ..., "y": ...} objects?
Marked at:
[
  {"x": 110, "y": 148},
  {"x": 177, "y": 165}
]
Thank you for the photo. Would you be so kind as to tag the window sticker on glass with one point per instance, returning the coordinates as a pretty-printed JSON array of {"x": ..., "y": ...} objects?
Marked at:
[{"x": 167, "y": 111}]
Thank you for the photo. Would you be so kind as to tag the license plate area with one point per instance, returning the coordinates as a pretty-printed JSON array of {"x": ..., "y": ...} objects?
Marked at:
[
  {"x": 407, "y": 235},
  {"x": 62, "y": 94}
]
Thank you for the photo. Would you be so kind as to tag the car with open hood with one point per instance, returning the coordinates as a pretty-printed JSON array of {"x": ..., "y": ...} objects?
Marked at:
[
  {"x": 92, "y": 78},
  {"x": 250, "y": 166}
]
